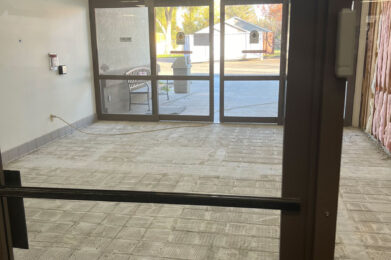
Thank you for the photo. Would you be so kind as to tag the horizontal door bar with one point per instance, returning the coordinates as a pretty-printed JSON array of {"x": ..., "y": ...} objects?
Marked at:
[
  {"x": 116, "y": 3},
  {"x": 251, "y": 2},
  {"x": 253, "y": 51},
  {"x": 125, "y": 77},
  {"x": 181, "y": 52},
  {"x": 152, "y": 197},
  {"x": 164, "y": 3},
  {"x": 184, "y": 77},
  {"x": 185, "y": 117},
  {"x": 244, "y": 119},
  {"x": 250, "y": 77},
  {"x": 128, "y": 117},
  {"x": 162, "y": 77}
]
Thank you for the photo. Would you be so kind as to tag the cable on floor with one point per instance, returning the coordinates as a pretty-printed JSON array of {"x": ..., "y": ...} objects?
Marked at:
[{"x": 125, "y": 133}]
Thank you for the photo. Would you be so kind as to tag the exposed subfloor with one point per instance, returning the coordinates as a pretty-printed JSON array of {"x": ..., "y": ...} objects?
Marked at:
[{"x": 227, "y": 159}]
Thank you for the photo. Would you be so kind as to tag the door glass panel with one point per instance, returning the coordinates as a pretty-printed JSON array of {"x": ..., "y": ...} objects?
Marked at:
[
  {"x": 251, "y": 98},
  {"x": 182, "y": 40},
  {"x": 252, "y": 39},
  {"x": 217, "y": 159},
  {"x": 363, "y": 223},
  {"x": 126, "y": 96},
  {"x": 122, "y": 39},
  {"x": 183, "y": 97}
]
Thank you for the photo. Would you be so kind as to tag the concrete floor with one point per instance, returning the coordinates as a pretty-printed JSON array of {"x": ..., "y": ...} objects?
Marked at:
[{"x": 227, "y": 159}]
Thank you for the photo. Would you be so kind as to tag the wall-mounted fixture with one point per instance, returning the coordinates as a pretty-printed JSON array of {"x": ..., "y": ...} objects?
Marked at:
[
  {"x": 344, "y": 62},
  {"x": 53, "y": 61},
  {"x": 62, "y": 69},
  {"x": 125, "y": 39}
]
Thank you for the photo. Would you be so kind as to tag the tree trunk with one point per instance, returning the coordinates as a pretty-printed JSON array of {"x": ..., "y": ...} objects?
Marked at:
[{"x": 168, "y": 14}]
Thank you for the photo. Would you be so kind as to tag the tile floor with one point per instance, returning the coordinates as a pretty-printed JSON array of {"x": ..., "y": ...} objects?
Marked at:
[{"x": 228, "y": 159}]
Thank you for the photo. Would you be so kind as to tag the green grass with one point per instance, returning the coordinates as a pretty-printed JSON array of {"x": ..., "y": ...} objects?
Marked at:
[
  {"x": 276, "y": 54},
  {"x": 169, "y": 55}
]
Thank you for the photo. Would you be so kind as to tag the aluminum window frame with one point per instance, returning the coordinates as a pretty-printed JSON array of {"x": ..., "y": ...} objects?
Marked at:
[
  {"x": 154, "y": 77},
  {"x": 281, "y": 76}
]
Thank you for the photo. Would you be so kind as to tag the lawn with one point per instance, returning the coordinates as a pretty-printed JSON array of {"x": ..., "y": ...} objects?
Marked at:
[
  {"x": 169, "y": 55},
  {"x": 276, "y": 54}
]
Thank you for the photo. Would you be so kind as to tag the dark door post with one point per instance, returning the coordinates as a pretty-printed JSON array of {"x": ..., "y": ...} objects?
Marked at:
[
  {"x": 6, "y": 252},
  {"x": 313, "y": 131}
]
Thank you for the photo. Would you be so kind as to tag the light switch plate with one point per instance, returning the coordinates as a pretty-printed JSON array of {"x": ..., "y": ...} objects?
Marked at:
[{"x": 62, "y": 69}]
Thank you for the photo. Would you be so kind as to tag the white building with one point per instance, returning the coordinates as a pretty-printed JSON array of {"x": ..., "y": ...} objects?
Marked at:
[{"x": 237, "y": 40}]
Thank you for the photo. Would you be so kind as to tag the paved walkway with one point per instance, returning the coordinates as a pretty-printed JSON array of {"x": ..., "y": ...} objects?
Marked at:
[
  {"x": 242, "y": 98},
  {"x": 228, "y": 159}
]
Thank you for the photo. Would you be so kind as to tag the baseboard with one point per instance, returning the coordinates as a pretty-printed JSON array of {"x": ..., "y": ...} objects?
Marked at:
[
  {"x": 379, "y": 144},
  {"x": 21, "y": 150}
]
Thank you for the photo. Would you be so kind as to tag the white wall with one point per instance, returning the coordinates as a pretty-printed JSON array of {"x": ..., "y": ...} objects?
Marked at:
[{"x": 29, "y": 91}]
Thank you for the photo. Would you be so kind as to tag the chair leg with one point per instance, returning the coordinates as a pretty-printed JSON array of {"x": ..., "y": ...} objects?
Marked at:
[
  {"x": 167, "y": 90},
  {"x": 148, "y": 95},
  {"x": 130, "y": 101}
]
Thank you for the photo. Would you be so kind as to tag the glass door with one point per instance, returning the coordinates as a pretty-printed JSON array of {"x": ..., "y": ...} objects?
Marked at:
[
  {"x": 252, "y": 69},
  {"x": 237, "y": 191},
  {"x": 184, "y": 59},
  {"x": 123, "y": 61}
]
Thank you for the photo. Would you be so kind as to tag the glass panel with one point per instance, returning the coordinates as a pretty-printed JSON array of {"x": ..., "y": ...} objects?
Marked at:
[
  {"x": 251, "y": 98},
  {"x": 179, "y": 30},
  {"x": 252, "y": 39},
  {"x": 108, "y": 230},
  {"x": 126, "y": 97},
  {"x": 123, "y": 39},
  {"x": 184, "y": 97},
  {"x": 363, "y": 223}
]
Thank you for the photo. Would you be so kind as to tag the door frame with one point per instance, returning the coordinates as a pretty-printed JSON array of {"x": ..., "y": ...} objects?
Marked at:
[
  {"x": 210, "y": 77},
  {"x": 154, "y": 77},
  {"x": 313, "y": 131},
  {"x": 6, "y": 251},
  {"x": 351, "y": 83},
  {"x": 101, "y": 115},
  {"x": 281, "y": 77}
]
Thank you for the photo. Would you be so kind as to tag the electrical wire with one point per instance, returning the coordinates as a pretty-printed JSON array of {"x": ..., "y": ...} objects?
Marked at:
[{"x": 124, "y": 133}]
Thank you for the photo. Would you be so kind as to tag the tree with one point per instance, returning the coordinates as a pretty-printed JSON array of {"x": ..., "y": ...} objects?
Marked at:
[
  {"x": 271, "y": 19},
  {"x": 195, "y": 18},
  {"x": 268, "y": 16},
  {"x": 245, "y": 12},
  {"x": 165, "y": 24}
]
